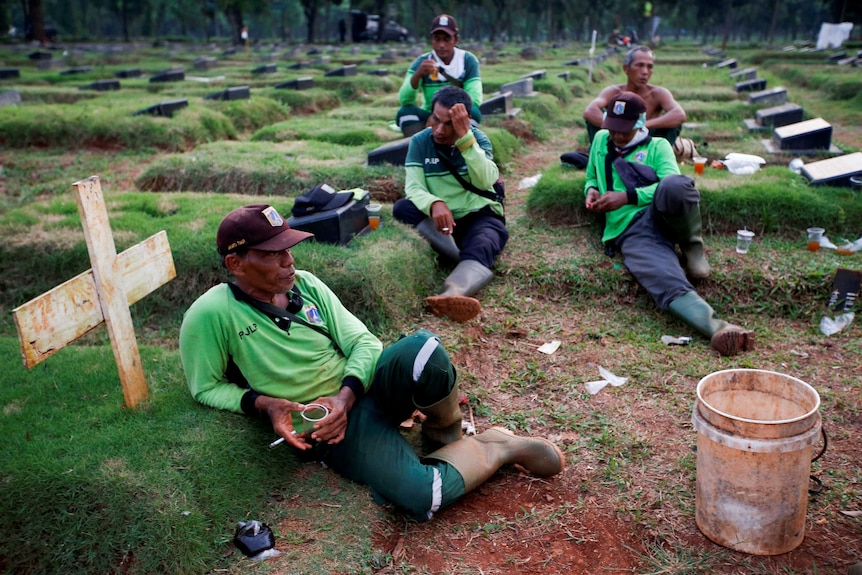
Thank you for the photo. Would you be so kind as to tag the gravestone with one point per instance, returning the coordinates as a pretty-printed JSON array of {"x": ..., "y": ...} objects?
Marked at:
[
  {"x": 266, "y": 69},
  {"x": 78, "y": 70},
  {"x": 102, "y": 294},
  {"x": 322, "y": 61},
  {"x": 778, "y": 116},
  {"x": 522, "y": 88},
  {"x": 10, "y": 98},
  {"x": 379, "y": 72},
  {"x": 38, "y": 55},
  {"x": 204, "y": 63},
  {"x": 710, "y": 51},
  {"x": 229, "y": 52},
  {"x": 731, "y": 63},
  {"x": 500, "y": 103},
  {"x": 299, "y": 65},
  {"x": 102, "y": 85},
  {"x": 6, "y": 73},
  {"x": 813, "y": 134},
  {"x": 744, "y": 74},
  {"x": 297, "y": 84},
  {"x": 751, "y": 85},
  {"x": 564, "y": 76},
  {"x": 394, "y": 153},
  {"x": 851, "y": 60},
  {"x": 165, "y": 109},
  {"x": 349, "y": 70},
  {"x": 537, "y": 75},
  {"x": 172, "y": 75},
  {"x": 836, "y": 57},
  {"x": 834, "y": 171},
  {"x": 235, "y": 93},
  {"x": 770, "y": 97},
  {"x": 575, "y": 62},
  {"x": 131, "y": 73}
]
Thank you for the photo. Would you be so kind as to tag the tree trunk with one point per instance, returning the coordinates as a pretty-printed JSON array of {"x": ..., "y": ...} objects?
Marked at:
[{"x": 36, "y": 19}]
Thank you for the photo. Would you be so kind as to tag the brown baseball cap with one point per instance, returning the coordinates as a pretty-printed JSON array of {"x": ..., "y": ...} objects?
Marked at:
[
  {"x": 623, "y": 112},
  {"x": 259, "y": 227},
  {"x": 444, "y": 23}
]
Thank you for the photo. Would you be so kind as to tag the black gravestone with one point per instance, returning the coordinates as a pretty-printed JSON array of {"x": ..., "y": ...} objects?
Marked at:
[
  {"x": 500, "y": 103},
  {"x": 266, "y": 69},
  {"x": 394, "y": 153},
  {"x": 770, "y": 97},
  {"x": 778, "y": 116},
  {"x": 522, "y": 88},
  {"x": 102, "y": 85},
  {"x": 379, "y": 72},
  {"x": 813, "y": 134},
  {"x": 731, "y": 63},
  {"x": 172, "y": 75},
  {"x": 235, "y": 93},
  {"x": 35, "y": 56},
  {"x": 299, "y": 65},
  {"x": 78, "y": 70},
  {"x": 751, "y": 85},
  {"x": 6, "y": 73},
  {"x": 229, "y": 52},
  {"x": 204, "y": 63},
  {"x": 575, "y": 62},
  {"x": 564, "y": 76},
  {"x": 343, "y": 71},
  {"x": 836, "y": 57},
  {"x": 297, "y": 84},
  {"x": 744, "y": 74},
  {"x": 131, "y": 73},
  {"x": 165, "y": 109},
  {"x": 537, "y": 75},
  {"x": 834, "y": 171}
]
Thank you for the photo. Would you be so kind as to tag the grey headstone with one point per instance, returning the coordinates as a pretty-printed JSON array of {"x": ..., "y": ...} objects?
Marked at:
[
  {"x": 204, "y": 63},
  {"x": 77, "y": 70},
  {"x": 235, "y": 93},
  {"x": 173, "y": 75},
  {"x": 297, "y": 84},
  {"x": 165, "y": 109},
  {"x": 852, "y": 60},
  {"x": 522, "y": 88},
  {"x": 770, "y": 97},
  {"x": 813, "y": 134},
  {"x": 102, "y": 85},
  {"x": 323, "y": 60},
  {"x": 537, "y": 75},
  {"x": 394, "y": 153},
  {"x": 744, "y": 74},
  {"x": 343, "y": 71},
  {"x": 266, "y": 69},
  {"x": 778, "y": 116},
  {"x": 710, "y": 51},
  {"x": 10, "y": 98},
  {"x": 751, "y": 85},
  {"x": 500, "y": 103},
  {"x": 6, "y": 73},
  {"x": 731, "y": 63},
  {"x": 132, "y": 73},
  {"x": 834, "y": 171}
]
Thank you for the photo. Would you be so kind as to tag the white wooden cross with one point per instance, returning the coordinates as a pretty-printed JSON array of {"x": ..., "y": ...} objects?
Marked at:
[{"x": 104, "y": 293}]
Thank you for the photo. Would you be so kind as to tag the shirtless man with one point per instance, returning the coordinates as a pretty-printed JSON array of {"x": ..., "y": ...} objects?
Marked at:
[{"x": 664, "y": 114}]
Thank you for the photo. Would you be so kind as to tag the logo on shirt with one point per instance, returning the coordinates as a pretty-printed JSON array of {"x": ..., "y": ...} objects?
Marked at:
[
  {"x": 432, "y": 160},
  {"x": 313, "y": 315}
]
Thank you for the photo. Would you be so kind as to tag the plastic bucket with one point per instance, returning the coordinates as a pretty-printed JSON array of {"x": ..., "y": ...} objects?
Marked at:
[{"x": 755, "y": 435}]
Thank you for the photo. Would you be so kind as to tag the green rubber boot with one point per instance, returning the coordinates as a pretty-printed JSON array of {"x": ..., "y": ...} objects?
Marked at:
[
  {"x": 442, "y": 424},
  {"x": 686, "y": 231},
  {"x": 455, "y": 301},
  {"x": 726, "y": 338}
]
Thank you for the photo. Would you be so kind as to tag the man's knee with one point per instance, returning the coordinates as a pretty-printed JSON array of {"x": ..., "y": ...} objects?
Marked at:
[
  {"x": 675, "y": 195},
  {"x": 406, "y": 212}
]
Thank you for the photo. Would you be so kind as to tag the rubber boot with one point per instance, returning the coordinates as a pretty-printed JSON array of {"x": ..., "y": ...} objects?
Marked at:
[
  {"x": 724, "y": 337},
  {"x": 442, "y": 424},
  {"x": 454, "y": 302},
  {"x": 441, "y": 243},
  {"x": 477, "y": 458},
  {"x": 686, "y": 231}
]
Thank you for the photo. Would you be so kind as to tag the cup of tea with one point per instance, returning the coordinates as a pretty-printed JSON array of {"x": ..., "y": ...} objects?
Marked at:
[
  {"x": 373, "y": 215},
  {"x": 814, "y": 235},
  {"x": 699, "y": 165}
]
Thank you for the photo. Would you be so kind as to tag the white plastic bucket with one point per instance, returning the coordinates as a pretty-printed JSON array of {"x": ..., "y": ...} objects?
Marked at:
[{"x": 756, "y": 431}]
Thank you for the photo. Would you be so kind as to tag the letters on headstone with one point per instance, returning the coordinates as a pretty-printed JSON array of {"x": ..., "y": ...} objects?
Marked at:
[{"x": 103, "y": 294}]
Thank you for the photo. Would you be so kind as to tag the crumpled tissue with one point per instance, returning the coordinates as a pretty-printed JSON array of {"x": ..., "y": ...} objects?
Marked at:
[
  {"x": 829, "y": 326},
  {"x": 529, "y": 182},
  {"x": 609, "y": 378}
]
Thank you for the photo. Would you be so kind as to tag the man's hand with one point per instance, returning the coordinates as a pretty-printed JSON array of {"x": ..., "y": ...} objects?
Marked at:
[
  {"x": 334, "y": 426},
  {"x": 607, "y": 202},
  {"x": 280, "y": 413},
  {"x": 442, "y": 216},
  {"x": 427, "y": 68},
  {"x": 460, "y": 118}
]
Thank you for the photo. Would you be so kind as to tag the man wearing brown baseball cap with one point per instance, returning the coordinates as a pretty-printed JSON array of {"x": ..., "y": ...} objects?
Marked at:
[
  {"x": 444, "y": 65},
  {"x": 633, "y": 181},
  {"x": 276, "y": 341}
]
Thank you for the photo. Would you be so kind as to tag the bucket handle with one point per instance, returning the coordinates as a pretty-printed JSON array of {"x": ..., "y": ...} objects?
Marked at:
[{"x": 818, "y": 485}]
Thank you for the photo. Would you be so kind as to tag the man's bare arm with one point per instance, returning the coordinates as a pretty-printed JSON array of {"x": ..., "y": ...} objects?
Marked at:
[
  {"x": 594, "y": 111},
  {"x": 673, "y": 115}
]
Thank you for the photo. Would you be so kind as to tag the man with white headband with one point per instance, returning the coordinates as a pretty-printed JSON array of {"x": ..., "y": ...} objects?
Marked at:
[{"x": 633, "y": 180}]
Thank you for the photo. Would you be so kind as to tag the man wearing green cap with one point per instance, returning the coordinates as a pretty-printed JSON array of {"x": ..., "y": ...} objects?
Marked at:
[{"x": 277, "y": 339}]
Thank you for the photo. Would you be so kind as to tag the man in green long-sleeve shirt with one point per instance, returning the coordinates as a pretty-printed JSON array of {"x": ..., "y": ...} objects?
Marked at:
[{"x": 277, "y": 339}]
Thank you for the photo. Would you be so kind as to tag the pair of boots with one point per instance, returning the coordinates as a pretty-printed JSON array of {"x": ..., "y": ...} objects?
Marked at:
[
  {"x": 726, "y": 338},
  {"x": 686, "y": 231},
  {"x": 478, "y": 457},
  {"x": 468, "y": 277}
]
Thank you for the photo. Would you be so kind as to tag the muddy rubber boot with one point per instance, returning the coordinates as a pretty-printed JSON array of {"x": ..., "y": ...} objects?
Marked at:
[
  {"x": 441, "y": 243},
  {"x": 726, "y": 338},
  {"x": 442, "y": 424},
  {"x": 454, "y": 302},
  {"x": 686, "y": 232},
  {"x": 477, "y": 458}
]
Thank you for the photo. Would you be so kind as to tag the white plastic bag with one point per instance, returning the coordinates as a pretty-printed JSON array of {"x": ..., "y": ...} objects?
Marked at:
[{"x": 742, "y": 164}]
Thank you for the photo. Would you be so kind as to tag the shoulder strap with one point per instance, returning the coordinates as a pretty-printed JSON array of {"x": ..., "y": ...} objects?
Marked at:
[
  {"x": 280, "y": 316},
  {"x": 444, "y": 159},
  {"x": 454, "y": 81}
]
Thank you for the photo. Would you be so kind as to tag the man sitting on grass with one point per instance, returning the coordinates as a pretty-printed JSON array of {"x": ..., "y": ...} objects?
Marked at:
[
  {"x": 634, "y": 181},
  {"x": 277, "y": 339}
]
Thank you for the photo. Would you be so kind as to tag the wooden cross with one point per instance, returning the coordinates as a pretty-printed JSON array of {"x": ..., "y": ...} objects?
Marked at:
[{"x": 104, "y": 293}]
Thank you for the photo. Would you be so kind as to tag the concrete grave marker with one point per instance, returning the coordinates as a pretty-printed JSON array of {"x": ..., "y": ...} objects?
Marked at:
[
  {"x": 101, "y": 85},
  {"x": 500, "y": 103},
  {"x": 834, "y": 171},
  {"x": 10, "y": 98},
  {"x": 78, "y": 70},
  {"x": 132, "y": 73},
  {"x": 204, "y": 63},
  {"x": 564, "y": 76},
  {"x": 6, "y": 73},
  {"x": 235, "y": 93},
  {"x": 103, "y": 294},
  {"x": 349, "y": 70},
  {"x": 37, "y": 55},
  {"x": 775, "y": 117},
  {"x": 731, "y": 63},
  {"x": 165, "y": 109},
  {"x": 394, "y": 153},
  {"x": 266, "y": 69},
  {"x": 769, "y": 97},
  {"x": 751, "y": 85},
  {"x": 379, "y": 72},
  {"x": 522, "y": 88},
  {"x": 171, "y": 75},
  {"x": 813, "y": 134},
  {"x": 299, "y": 65},
  {"x": 297, "y": 84},
  {"x": 537, "y": 75},
  {"x": 744, "y": 74}
]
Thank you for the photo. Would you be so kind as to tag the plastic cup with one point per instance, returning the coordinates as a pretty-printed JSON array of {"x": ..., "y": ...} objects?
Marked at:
[
  {"x": 743, "y": 241},
  {"x": 814, "y": 235},
  {"x": 373, "y": 215},
  {"x": 856, "y": 183},
  {"x": 312, "y": 413},
  {"x": 699, "y": 165}
]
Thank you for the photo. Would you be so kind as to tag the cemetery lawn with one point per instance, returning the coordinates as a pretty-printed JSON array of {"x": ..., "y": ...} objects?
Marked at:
[{"x": 91, "y": 487}]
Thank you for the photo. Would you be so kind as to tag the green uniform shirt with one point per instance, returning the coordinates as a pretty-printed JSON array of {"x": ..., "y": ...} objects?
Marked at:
[
  {"x": 471, "y": 79},
  {"x": 427, "y": 180},
  {"x": 300, "y": 365},
  {"x": 657, "y": 153}
]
